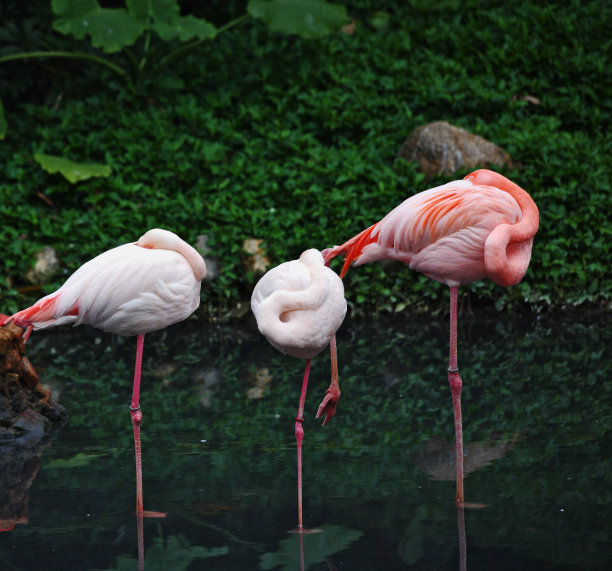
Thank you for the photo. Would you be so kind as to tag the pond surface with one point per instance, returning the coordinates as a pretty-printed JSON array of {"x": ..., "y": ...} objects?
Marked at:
[{"x": 219, "y": 451}]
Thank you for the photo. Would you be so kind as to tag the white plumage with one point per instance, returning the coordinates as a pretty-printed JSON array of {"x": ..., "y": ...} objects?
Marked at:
[
  {"x": 130, "y": 290},
  {"x": 299, "y": 305}
]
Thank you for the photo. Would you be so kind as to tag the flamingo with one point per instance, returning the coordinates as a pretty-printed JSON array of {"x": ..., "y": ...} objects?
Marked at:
[
  {"x": 299, "y": 305},
  {"x": 466, "y": 230},
  {"x": 132, "y": 289}
]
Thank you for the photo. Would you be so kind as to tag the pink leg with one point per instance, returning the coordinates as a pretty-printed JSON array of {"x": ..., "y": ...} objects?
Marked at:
[
  {"x": 299, "y": 435},
  {"x": 135, "y": 406},
  {"x": 26, "y": 333},
  {"x": 136, "y": 415},
  {"x": 328, "y": 406},
  {"x": 455, "y": 384}
]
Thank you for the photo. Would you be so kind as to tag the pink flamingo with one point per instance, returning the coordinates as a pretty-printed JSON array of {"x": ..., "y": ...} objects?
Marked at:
[
  {"x": 133, "y": 289},
  {"x": 466, "y": 230},
  {"x": 299, "y": 306}
]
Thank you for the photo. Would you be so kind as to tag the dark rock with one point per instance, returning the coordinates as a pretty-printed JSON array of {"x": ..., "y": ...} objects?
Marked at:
[
  {"x": 28, "y": 420},
  {"x": 28, "y": 416},
  {"x": 441, "y": 149}
]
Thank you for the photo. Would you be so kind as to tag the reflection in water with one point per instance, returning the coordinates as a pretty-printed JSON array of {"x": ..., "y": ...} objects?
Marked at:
[
  {"x": 461, "y": 538},
  {"x": 173, "y": 552},
  {"x": 301, "y": 550},
  {"x": 261, "y": 379},
  {"x": 209, "y": 380},
  {"x": 437, "y": 458},
  {"x": 18, "y": 468},
  {"x": 140, "y": 532},
  {"x": 222, "y": 467}
]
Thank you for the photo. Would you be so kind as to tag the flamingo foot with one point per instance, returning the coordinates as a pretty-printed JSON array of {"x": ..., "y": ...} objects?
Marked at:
[
  {"x": 305, "y": 530},
  {"x": 328, "y": 405},
  {"x": 148, "y": 513}
]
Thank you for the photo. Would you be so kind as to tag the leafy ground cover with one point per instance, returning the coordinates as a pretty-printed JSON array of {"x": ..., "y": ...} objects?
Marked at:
[{"x": 256, "y": 134}]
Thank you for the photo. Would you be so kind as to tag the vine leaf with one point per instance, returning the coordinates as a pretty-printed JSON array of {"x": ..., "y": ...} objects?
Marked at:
[
  {"x": 307, "y": 18},
  {"x": 111, "y": 29},
  {"x": 73, "y": 172}
]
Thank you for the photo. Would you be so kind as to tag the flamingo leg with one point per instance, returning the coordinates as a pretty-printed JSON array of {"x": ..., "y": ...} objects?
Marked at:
[
  {"x": 26, "y": 333},
  {"x": 299, "y": 435},
  {"x": 136, "y": 416},
  {"x": 455, "y": 385},
  {"x": 328, "y": 406}
]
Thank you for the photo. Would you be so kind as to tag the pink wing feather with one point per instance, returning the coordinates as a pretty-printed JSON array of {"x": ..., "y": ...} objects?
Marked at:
[
  {"x": 440, "y": 232},
  {"x": 128, "y": 290}
]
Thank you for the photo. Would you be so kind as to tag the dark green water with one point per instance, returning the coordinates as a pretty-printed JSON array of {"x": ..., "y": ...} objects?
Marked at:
[{"x": 219, "y": 452}]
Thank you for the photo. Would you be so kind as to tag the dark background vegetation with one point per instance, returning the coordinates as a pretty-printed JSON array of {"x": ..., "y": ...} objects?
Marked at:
[{"x": 256, "y": 134}]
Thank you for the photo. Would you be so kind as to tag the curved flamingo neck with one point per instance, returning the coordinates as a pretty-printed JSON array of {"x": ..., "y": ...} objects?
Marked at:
[
  {"x": 528, "y": 225},
  {"x": 310, "y": 298},
  {"x": 163, "y": 239},
  {"x": 508, "y": 247}
]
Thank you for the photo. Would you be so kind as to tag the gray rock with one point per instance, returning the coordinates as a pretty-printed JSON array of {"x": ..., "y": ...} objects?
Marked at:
[
  {"x": 45, "y": 268},
  {"x": 441, "y": 149}
]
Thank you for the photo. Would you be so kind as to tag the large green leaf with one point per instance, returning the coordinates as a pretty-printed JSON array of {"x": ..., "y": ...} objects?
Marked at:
[
  {"x": 186, "y": 28},
  {"x": 110, "y": 28},
  {"x": 159, "y": 10},
  {"x": 74, "y": 172},
  {"x": 167, "y": 22},
  {"x": 307, "y": 18},
  {"x": 164, "y": 15}
]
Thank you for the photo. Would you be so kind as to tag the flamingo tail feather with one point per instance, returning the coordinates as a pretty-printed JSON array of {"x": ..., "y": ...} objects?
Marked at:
[
  {"x": 42, "y": 310},
  {"x": 352, "y": 249}
]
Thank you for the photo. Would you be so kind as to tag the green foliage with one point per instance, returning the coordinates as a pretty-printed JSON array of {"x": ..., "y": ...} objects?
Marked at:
[
  {"x": 264, "y": 135},
  {"x": 73, "y": 172},
  {"x": 110, "y": 29},
  {"x": 308, "y": 18},
  {"x": 117, "y": 29},
  {"x": 113, "y": 29}
]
